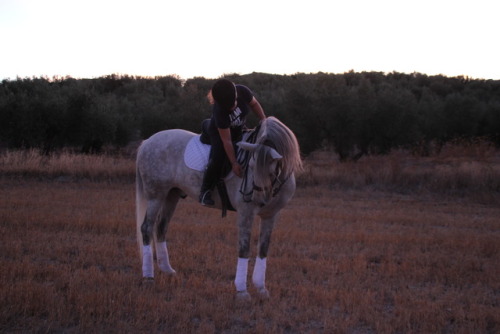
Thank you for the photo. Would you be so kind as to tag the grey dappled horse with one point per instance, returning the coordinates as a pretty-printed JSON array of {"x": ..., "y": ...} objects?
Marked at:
[{"x": 162, "y": 178}]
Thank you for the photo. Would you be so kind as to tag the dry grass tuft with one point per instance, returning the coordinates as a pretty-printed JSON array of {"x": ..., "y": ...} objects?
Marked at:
[
  {"x": 67, "y": 165},
  {"x": 463, "y": 171}
]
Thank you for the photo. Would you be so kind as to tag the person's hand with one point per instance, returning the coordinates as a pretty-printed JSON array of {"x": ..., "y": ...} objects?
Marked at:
[{"x": 236, "y": 167}]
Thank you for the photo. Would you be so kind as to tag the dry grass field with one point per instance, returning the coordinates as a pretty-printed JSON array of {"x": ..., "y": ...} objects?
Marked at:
[{"x": 392, "y": 244}]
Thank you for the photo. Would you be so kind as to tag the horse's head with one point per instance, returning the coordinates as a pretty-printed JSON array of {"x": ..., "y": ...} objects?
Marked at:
[{"x": 263, "y": 170}]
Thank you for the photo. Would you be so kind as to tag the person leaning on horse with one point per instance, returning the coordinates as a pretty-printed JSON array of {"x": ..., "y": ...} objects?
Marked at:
[{"x": 231, "y": 104}]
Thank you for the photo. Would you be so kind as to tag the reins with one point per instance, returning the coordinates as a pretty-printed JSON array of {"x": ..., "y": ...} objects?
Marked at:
[{"x": 247, "y": 197}]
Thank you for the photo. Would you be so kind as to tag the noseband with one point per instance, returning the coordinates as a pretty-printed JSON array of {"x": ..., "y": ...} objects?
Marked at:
[{"x": 276, "y": 184}]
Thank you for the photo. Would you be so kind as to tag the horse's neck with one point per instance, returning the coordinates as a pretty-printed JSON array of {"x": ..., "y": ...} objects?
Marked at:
[{"x": 250, "y": 136}]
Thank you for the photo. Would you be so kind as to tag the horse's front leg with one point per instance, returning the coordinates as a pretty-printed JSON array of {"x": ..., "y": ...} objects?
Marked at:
[
  {"x": 244, "y": 234},
  {"x": 259, "y": 271}
]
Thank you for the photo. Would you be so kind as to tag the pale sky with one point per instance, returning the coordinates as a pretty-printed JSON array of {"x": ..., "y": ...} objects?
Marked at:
[{"x": 91, "y": 38}]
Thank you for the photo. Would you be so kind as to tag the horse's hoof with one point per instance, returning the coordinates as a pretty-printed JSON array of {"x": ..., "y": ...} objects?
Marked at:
[
  {"x": 169, "y": 271},
  {"x": 243, "y": 296},
  {"x": 263, "y": 294},
  {"x": 147, "y": 281}
]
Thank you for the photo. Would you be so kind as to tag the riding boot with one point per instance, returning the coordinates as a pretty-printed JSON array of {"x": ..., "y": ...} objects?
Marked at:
[{"x": 206, "y": 189}]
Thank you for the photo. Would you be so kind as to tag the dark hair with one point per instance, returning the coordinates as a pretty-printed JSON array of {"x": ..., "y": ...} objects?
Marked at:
[{"x": 224, "y": 93}]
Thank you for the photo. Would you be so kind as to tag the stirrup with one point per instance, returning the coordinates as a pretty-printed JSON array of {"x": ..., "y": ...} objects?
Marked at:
[{"x": 206, "y": 199}]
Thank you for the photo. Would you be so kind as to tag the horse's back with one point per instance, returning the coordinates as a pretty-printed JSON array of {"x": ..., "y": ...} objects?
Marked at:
[
  {"x": 169, "y": 137},
  {"x": 160, "y": 158},
  {"x": 167, "y": 141}
]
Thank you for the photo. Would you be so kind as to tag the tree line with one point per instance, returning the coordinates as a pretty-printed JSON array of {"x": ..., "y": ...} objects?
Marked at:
[{"x": 351, "y": 113}]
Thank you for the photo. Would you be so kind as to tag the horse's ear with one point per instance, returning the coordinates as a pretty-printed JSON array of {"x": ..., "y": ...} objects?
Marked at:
[
  {"x": 247, "y": 146},
  {"x": 275, "y": 155}
]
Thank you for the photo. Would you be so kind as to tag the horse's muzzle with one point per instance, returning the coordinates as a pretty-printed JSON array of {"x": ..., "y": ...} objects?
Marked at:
[{"x": 260, "y": 196}]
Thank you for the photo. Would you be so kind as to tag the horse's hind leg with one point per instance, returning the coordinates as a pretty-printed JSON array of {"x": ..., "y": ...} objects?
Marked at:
[
  {"x": 152, "y": 211},
  {"x": 161, "y": 232}
]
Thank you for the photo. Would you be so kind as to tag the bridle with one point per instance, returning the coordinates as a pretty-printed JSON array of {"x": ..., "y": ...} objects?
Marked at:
[{"x": 276, "y": 183}]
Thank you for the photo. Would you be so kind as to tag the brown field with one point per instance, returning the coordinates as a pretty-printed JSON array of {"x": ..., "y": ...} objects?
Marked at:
[{"x": 390, "y": 244}]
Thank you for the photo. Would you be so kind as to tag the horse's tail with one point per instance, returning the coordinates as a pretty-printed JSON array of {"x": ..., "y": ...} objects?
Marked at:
[{"x": 140, "y": 208}]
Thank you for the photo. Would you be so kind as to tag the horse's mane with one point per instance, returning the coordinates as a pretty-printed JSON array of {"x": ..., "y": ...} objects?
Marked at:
[{"x": 284, "y": 142}]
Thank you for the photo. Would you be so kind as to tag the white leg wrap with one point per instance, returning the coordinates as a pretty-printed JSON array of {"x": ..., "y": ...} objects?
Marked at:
[
  {"x": 147, "y": 262},
  {"x": 241, "y": 274},
  {"x": 163, "y": 259},
  {"x": 259, "y": 273}
]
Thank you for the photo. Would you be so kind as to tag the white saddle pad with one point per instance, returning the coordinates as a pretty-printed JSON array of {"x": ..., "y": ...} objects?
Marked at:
[{"x": 196, "y": 154}]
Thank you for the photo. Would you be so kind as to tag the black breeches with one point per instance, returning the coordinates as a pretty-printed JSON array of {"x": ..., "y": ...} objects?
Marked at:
[{"x": 218, "y": 163}]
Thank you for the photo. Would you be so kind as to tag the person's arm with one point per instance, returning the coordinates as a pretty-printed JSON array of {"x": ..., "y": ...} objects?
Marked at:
[
  {"x": 225, "y": 136},
  {"x": 257, "y": 109}
]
